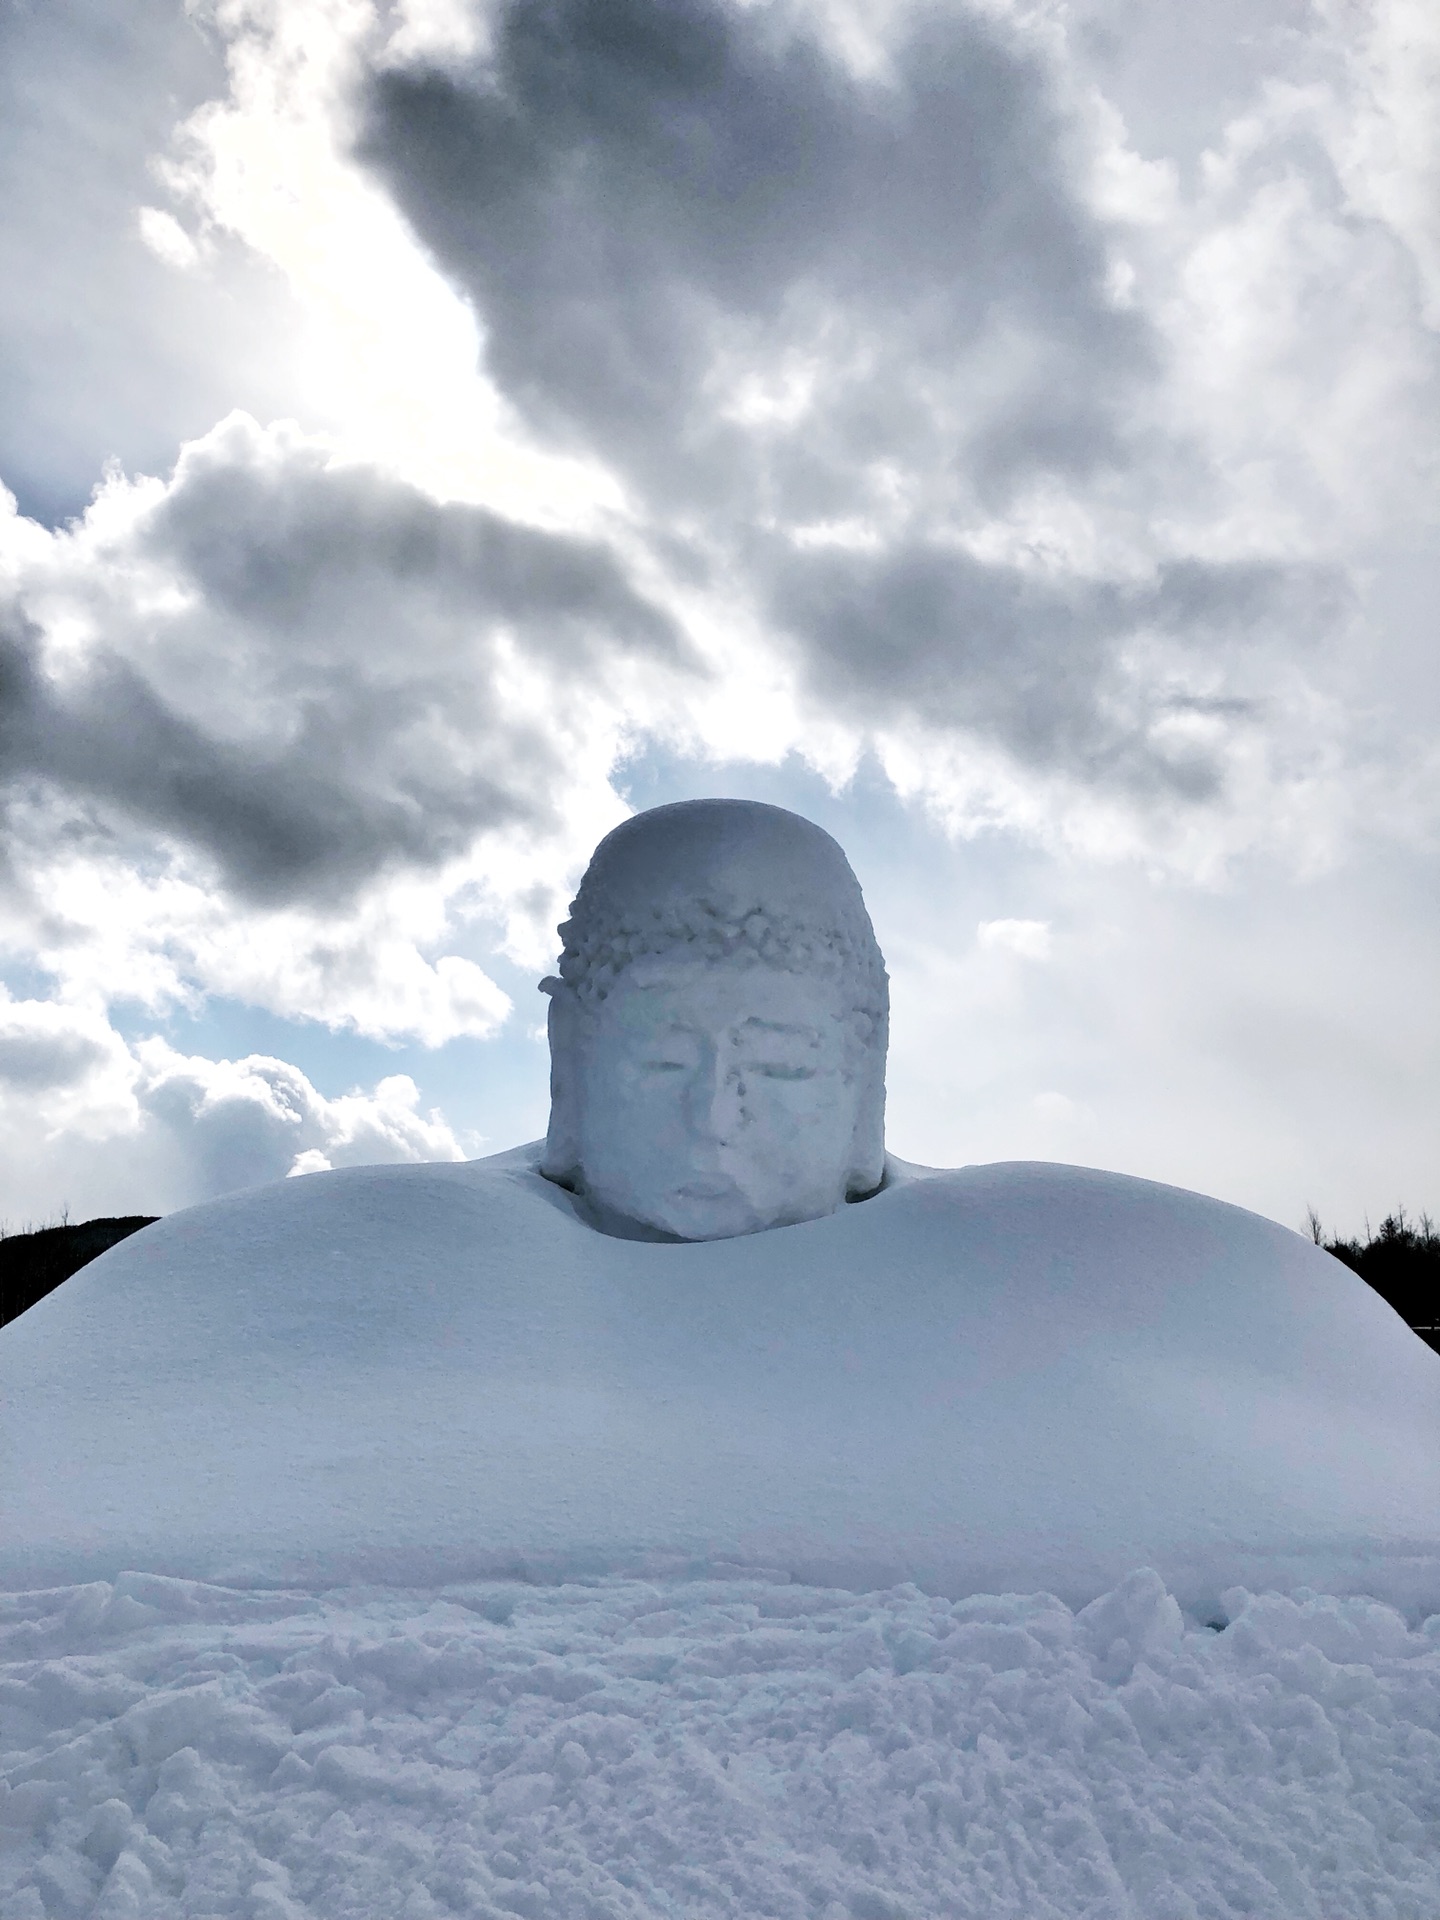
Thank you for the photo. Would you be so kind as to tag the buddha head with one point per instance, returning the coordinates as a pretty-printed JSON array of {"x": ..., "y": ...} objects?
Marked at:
[{"x": 718, "y": 1027}]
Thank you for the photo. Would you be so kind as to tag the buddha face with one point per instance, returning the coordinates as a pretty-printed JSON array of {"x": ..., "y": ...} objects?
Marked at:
[{"x": 716, "y": 1100}]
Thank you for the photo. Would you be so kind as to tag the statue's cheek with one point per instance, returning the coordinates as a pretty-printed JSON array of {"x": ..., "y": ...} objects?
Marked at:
[{"x": 807, "y": 1107}]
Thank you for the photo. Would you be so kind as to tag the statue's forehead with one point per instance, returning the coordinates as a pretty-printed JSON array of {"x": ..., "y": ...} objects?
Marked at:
[{"x": 733, "y": 986}]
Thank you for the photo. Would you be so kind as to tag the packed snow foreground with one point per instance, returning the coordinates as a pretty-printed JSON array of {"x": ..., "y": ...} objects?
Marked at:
[
  {"x": 627, "y": 1748},
  {"x": 701, "y": 1513}
]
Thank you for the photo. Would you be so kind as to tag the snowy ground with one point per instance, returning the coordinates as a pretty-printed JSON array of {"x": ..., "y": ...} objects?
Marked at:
[{"x": 744, "y": 1747}]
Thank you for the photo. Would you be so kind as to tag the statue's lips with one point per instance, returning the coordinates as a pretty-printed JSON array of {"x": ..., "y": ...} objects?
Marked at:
[{"x": 718, "y": 1188}]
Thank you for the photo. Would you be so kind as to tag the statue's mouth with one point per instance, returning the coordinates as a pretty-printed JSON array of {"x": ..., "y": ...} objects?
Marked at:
[{"x": 716, "y": 1188}]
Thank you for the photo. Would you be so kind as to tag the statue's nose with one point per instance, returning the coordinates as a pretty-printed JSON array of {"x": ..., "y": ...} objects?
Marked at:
[{"x": 716, "y": 1099}]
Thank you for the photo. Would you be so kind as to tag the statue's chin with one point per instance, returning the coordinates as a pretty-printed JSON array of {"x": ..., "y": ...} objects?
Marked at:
[
  {"x": 704, "y": 1214},
  {"x": 705, "y": 1209},
  {"x": 709, "y": 1210}
]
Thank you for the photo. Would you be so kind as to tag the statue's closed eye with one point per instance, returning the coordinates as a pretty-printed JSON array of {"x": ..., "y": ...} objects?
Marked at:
[{"x": 777, "y": 1070}]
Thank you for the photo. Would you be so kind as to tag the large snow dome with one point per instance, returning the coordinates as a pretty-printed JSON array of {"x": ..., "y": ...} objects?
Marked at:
[{"x": 1001, "y": 1378}]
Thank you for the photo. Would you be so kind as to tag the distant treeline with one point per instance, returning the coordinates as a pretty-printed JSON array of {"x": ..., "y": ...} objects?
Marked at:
[
  {"x": 1401, "y": 1262},
  {"x": 34, "y": 1264}
]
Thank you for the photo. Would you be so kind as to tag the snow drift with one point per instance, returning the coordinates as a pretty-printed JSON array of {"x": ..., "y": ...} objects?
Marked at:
[{"x": 725, "y": 1750}]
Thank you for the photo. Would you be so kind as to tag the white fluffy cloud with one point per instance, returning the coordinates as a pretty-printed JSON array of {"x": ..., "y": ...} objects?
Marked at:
[
  {"x": 144, "y": 1128},
  {"x": 240, "y": 1122}
]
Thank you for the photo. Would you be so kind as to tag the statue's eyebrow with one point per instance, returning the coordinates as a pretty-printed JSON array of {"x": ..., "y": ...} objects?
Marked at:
[{"x": 781, "y": 1026}]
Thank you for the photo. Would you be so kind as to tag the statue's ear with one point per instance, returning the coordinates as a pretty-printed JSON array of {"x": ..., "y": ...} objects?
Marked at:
[
  {"x": 561, "y": 1159},
  {"x": 867, "y": 1144}
]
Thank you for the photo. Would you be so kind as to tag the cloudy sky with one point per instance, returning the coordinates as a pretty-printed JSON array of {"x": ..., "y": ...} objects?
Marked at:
[{"x": 1004, "y": 432}]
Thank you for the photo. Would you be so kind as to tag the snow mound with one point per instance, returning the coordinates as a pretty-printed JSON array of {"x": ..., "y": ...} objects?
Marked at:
[
  {"x": 622, "y": 1749},
  {"x": 990, "y": 1380}
]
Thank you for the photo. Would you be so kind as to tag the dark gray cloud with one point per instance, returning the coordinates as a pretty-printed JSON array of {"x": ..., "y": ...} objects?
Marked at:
[
  {"x": 327, "y": 704},
  {"x": 628, "y": 188},
  {"x": 105, "y": 350},
  {"x": 278, "y": 819},
  {"x": 1034, "y": 662},
  {"x": 653, "y": 201},
  {"x": 361, "y": 564}
]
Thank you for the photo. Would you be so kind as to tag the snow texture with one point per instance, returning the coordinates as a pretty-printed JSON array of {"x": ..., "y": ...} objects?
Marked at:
[
  {"x": 625, "y": 1750},
  {"x": 996, "y": 1379}
]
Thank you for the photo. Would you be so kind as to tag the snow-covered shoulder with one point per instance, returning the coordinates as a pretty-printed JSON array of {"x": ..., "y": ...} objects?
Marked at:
[{"x": 1001, "y": 1377}]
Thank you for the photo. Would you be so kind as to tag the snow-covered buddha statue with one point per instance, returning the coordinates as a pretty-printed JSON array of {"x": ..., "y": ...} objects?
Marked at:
[
  {"x": 662, "y": 1339},
  {"x": 718, "y": 1027}
]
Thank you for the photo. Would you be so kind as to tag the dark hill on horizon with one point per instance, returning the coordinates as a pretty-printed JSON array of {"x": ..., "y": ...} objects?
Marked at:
[{"x": 34, "y": 1264}]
